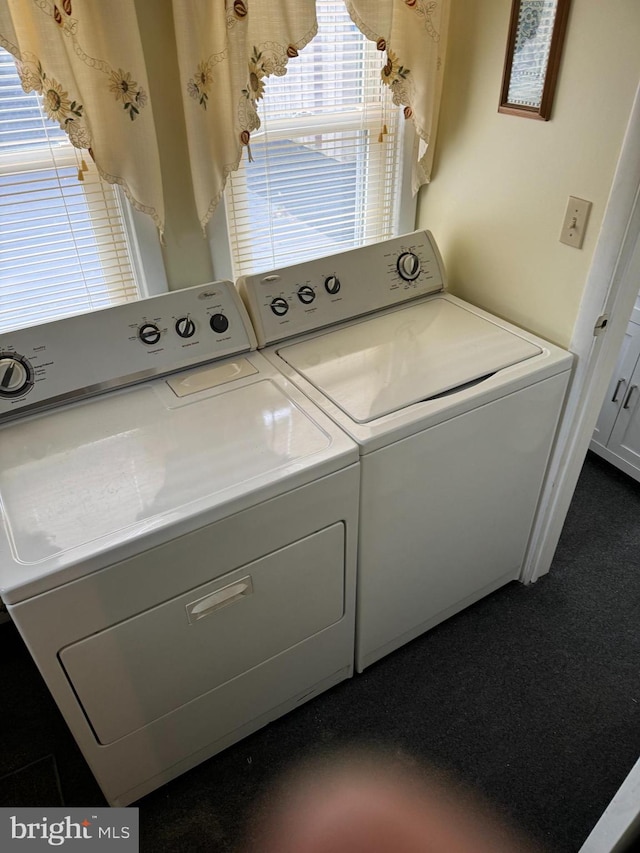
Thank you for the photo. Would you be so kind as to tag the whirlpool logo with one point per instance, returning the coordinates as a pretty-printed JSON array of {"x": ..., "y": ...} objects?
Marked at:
[{"x": 42, "y": 829}]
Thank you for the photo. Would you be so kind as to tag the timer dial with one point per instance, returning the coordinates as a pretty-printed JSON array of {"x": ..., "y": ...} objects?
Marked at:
[
  {"x": 16, "y": 375},
  {"x": 409, "y": 266}
]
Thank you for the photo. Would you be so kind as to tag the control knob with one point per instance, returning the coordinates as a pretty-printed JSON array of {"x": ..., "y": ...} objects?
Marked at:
[
  {"x": 219, "y": 323},
  {"x": 332, "y": 284},
  {"x": 409, "y": 266},
  {"x": 306, "y": 294},
  {"x": 279, "y": 306},
  {"x": 185, "y": 327},
  {"x": 149, "y": 334},
  {"x": 16, "y": 375}
]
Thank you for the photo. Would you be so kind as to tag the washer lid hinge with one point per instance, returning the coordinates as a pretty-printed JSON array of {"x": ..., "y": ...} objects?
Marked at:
[{"x": 601, "y": 324}]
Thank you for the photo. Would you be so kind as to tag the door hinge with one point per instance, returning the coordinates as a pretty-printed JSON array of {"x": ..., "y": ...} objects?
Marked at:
[{"x": 601, "y": 324}]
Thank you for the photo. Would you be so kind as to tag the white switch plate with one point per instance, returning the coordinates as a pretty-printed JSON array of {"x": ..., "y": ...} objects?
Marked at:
[{"x": 575, "y": 222}]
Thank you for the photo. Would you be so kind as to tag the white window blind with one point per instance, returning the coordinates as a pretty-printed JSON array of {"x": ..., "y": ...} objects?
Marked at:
[
  {"x": 325, "y": 175},
  {"x": 63, "y": 244}
]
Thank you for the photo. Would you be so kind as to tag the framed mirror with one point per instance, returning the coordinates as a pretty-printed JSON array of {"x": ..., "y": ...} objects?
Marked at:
[{"x": 532, "y": 61}]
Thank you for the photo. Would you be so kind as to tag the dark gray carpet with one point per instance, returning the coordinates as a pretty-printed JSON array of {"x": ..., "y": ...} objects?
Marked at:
[
  {"x": 37, "y": 784},
  {"x": 531, "y": 697}
]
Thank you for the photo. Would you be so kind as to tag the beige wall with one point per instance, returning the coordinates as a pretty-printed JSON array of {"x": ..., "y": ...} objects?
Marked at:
[{"x": 500, "y": 183}]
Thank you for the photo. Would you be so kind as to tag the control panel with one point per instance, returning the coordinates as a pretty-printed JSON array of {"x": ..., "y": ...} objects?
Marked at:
[
  {"x": 307, "y": 296},
  {"x": 81, "y": 355}
]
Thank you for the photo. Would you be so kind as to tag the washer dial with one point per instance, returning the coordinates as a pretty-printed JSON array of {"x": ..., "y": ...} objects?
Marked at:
[
  {"x": 219, "y": 323},
  {"x": 409, "y": 266},
  {"x": 279, "y": 306},
  {"x": 149, "y": 334},
  {"x": 16, "y": 375},
  {"x": 306, "y": 294},
  {"x": 332, "y": 284},
  {"x": 185, "y": 327}
]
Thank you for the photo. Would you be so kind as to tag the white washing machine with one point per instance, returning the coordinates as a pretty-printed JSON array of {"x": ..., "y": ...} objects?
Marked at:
[
  {"x": 179, "y": 554},
  {"x": 454, "y": 412}
]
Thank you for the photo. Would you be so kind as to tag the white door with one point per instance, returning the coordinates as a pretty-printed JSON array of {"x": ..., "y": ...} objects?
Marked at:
[
  {"x": 617, "y": 397},
  {"x": 625, "y": 437},
  {"x": 611, "y": 289}
]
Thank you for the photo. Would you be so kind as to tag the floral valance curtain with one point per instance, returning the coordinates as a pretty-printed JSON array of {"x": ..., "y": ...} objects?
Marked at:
[
  {"x": 85, "y": 58},
  {"x": 412, "y": 34},
  {"x": 225, "y": 52}
]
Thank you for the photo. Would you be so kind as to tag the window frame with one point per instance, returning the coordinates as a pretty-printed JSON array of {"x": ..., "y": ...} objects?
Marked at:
[{"x": 146, "y": 250}]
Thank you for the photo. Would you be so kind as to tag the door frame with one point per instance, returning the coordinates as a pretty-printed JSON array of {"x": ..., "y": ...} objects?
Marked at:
[{"x": 611, "y": 289}]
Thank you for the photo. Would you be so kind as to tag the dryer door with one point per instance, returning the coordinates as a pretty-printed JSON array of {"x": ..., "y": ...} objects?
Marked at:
[{"x": 135, "y": 672}]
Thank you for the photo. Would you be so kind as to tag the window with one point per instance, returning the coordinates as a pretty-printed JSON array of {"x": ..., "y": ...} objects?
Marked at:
[
  {"x": 327, "y": 160},
  {"x": 64, "y": 243}
]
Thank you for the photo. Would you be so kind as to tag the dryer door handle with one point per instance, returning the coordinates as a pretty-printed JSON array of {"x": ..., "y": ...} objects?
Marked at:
[{"x": 220, "y": 598}]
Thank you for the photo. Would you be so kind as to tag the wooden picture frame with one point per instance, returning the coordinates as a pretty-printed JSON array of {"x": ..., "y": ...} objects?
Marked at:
[{"x": 532, "y": 61}]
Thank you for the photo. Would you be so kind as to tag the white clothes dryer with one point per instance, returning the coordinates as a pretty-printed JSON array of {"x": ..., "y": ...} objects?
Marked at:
[
  {"x": 178, "y": 552},
  {"x": 454, "y": 412}
]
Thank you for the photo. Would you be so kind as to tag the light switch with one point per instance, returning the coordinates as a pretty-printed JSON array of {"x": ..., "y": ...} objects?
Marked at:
[{"x": 575, "y": 222}]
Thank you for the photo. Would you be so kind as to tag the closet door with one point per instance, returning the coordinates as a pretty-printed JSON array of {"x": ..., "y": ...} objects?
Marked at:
[
  {"x": 625, "y": 436},
  {"x": 618, "y": 391}
]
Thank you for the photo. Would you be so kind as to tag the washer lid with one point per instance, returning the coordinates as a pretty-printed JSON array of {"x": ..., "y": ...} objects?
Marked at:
[{"x": 386, "y": 363}]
